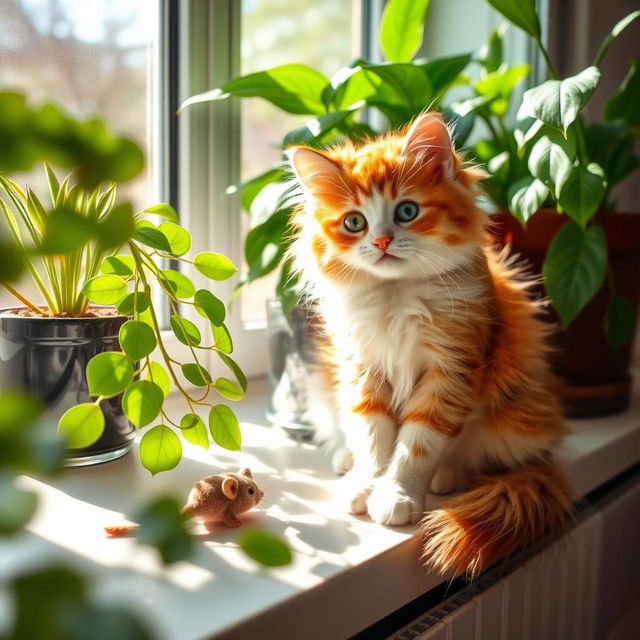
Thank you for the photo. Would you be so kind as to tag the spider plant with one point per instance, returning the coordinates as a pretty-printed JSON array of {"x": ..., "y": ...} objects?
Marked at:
[{"x": 72, "y": 235}]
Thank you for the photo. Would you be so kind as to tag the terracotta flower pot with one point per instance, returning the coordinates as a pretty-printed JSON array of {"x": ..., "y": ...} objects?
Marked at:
[{"x": 595, "y": 377}]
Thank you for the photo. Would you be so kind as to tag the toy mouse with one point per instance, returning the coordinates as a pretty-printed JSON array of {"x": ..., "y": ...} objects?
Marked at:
[{"x": 218, "y": 498}]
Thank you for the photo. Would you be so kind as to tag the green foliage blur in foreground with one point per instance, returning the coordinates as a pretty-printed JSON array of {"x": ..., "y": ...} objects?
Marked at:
[
  {"x": 49, "y": 601},
  {"x": 549, "y": 157},
  {"x": 55, "y": 601}
]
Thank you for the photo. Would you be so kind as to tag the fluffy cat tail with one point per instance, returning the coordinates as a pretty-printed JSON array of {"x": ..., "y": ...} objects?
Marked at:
[{"x": 496, "y": 516}]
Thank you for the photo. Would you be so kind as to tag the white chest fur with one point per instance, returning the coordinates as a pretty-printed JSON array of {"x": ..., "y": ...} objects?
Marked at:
[{"x": 384, "y": 328}]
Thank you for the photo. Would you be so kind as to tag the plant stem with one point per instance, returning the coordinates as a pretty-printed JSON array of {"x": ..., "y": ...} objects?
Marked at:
[
  {"x": 25, "y": 301},
  {"x": 487, "y": 120},
  {"x": 168, "y": 360},
  {"x": 581, "y": 146},
  {"x": 545, "y": 54}
]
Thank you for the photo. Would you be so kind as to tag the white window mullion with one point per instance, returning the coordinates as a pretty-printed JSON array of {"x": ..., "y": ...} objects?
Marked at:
[{"x": 209, "y": 161}]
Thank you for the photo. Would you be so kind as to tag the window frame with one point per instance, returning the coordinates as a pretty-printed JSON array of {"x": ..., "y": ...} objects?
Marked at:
[{"x": 209, "y": 156}]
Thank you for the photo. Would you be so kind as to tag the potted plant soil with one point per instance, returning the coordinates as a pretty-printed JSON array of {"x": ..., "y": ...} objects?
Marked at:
[
  {"x": 87, "y": 351},
  {"x": 554, "y": 172}
]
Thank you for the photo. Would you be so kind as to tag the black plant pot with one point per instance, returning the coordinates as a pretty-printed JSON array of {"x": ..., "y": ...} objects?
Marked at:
[{"x": 47, "y": 357}]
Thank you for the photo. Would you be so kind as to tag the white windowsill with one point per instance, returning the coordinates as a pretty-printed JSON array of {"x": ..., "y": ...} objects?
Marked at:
[{"x": 347, "y": 572}]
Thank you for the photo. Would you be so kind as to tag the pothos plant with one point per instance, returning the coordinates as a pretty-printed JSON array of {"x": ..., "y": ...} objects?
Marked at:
[
  {"x": 77, "y": 238},
  {"x": 553, "y": 158},
  {"x": 396, "y": 90},
  {"x": 27, "y": 445}
]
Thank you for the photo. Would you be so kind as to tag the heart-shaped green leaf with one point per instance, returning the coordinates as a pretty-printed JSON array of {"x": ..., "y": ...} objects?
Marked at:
[
  {"x": 160, "y": 449},
  {"x": 164, "y": 211},
  {"x": 152, "y": 237},
  {"x": 177, "y": 283},
  {"x": 185, "y": 330},
  {"x": 105, "y": 289},
  {"x": 81, "y": 425},
  {"x": 265, "y": 548},
  {"x": 224, "y": 427},
  {"x": 121, "y": 265},
  {"x": 582, "y": 191},
  {"x": 179, "y": 238},
  {"x": 208, "y": 306},
  {"x": 214, "y": 265},
  {"x": 196, "y": 374},
  {"x": 194, "y": 430},
  {"x": 525, "y": 197},
  {"x": 522, "y": 13},
  {"x": 109, "y": 373},
  {"x": 158, "y": 374},
  {"x": 574, "y": 268},
  {"x": 549, "y": 162},
  {"x": 134, "y": 303},
  {"x": 559, "y": 102},
  {"x": 222, "y": 338},
  {"x": 401, "y": 28},
  {"x": 501, "y": 84},
  {"x": 142, "y": 402},
  {"x": 137, "y": 339},
  {"x": 228, "y": 390},
  {"x": 237, "y": 371}
]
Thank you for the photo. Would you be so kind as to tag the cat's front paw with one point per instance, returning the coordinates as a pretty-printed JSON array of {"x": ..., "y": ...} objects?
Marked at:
[
  {"x": 390, "y": 504},
  {"x": 355, "y": 489},
  {"x": 342, "y": 461}
]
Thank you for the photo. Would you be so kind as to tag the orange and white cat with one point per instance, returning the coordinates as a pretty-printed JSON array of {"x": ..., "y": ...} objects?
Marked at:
[{"x": 436, "y": 358}]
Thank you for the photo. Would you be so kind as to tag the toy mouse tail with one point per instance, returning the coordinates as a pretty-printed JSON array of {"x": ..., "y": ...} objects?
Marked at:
[
  {"x": 496, "y": 516},
  {"x": 118, "y": 532}
]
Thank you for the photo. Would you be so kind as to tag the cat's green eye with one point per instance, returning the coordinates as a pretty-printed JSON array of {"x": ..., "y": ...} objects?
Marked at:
[
  {"x": 355, "y": 222},
  {"x": 406, "y": 211}
]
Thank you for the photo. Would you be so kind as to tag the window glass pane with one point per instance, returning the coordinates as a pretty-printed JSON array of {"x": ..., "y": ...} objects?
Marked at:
[
  {"x": 313, "y": 32},
  {"x": 95, "y": 58}
]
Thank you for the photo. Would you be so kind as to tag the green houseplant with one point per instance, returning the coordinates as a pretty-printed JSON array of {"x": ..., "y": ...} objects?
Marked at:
[
  {"x": 70, "y": 249},
  {"x": 551, "y": 162}
]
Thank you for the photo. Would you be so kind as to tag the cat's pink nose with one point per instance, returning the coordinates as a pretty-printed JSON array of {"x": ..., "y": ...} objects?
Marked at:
[{"x": 382, "y": 242}]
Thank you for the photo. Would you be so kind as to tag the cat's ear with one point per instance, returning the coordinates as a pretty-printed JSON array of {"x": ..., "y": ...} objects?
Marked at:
[
  {"x": 317, "y": 174},
  {"x": 428, "y": 138}
]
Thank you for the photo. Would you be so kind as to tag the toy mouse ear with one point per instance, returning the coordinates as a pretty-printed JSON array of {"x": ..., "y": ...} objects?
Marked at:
[
  {"x": 246, "y": 472},
  {"x": 230, "y": 488}
]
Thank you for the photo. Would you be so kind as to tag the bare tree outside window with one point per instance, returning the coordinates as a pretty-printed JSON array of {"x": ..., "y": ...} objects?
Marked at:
[{"x": 93, "y": 57}]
